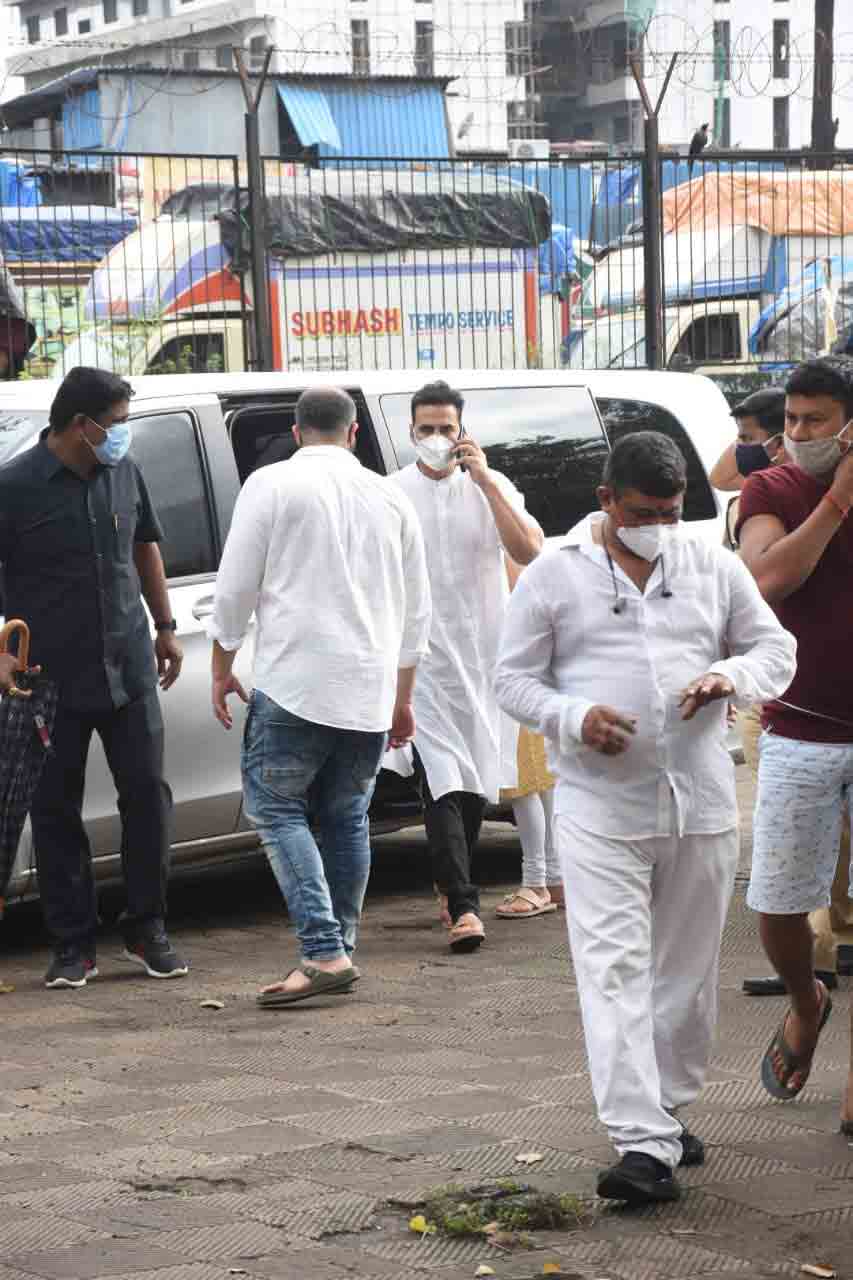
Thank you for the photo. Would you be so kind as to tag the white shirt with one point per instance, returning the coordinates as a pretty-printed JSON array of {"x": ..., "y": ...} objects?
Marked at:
[
  {"x": 564, "y": 650},
  {"x": 331, "y": 558},
  {"x": 462, "y": 738}
]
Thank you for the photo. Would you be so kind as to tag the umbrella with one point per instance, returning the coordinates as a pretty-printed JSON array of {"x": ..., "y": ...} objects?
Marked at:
[{"x": 27, "y": 713}]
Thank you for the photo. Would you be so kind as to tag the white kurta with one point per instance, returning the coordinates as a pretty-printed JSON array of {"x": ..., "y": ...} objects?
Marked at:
[{"x": 465, "y": 742}]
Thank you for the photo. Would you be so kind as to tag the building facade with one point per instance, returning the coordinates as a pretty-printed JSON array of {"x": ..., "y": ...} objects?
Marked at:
[{"x": 525, "y": 72}]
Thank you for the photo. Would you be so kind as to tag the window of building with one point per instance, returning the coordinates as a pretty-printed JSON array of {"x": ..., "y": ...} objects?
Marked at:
[
  {"x": 257, "y": 52},
  {"x": 424, "y": 49},
  {"x": 140, "y": 8},
  {"x": 781, "y": 124},
  {"x": 619, "y": 59},
  {"x": 781, "y": 49},
  {"x": 225, "y": 57},
  {"x": 84, "y": 26},
  {"x": 60, "y": 22},
  {"x": 33, "y": 29},
  {"x": 519, "y": 118},
  {"x": 191, "y": 60},
  {"x": 517, "y": 41},
  {"x": 723, "y": 50},
  {"x": 110, "y": 10},
  {"x": 360, "y": 37}
]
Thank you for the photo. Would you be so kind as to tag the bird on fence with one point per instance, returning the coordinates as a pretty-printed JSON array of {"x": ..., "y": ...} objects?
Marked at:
[{"x": 698, "y": 144}]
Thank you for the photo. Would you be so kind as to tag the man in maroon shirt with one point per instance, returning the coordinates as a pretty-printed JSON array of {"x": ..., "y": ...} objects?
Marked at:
[{"x": 796, "y": 538}]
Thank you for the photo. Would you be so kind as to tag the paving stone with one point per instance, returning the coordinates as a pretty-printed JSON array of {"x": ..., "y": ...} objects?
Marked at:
[
  {"x": 790, "y": 1194},
  {"x": 230, "y": 1240},
  {"x": 101, "y": 1258},
  {"x": 252, "y": 1140}
]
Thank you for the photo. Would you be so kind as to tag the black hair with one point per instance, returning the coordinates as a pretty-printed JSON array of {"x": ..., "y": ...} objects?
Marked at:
[
  {"x": 88, "y": 391},
  {"x": 647, "y": 461},
  {"x": 438, "y": 393},
  {"x": 824, "y": 376},
  {"x": 327, "y": 410},
  {"x": 767, "y": 407}
]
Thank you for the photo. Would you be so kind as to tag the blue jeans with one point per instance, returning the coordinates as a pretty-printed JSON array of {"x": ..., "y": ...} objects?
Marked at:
[{"x": 296, "y": 772}]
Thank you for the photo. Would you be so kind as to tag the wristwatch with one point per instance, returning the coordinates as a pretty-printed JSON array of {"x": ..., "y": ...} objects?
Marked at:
[{"x": 171, "y": 625}]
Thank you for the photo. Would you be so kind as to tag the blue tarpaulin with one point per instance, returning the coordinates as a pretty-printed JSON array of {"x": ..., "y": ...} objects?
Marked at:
[
  {"x": 368, "y": 119},
  {"x": 557, "y": 259},
  {"x": 17, "y": 187},
  {"x": 61, "y": 234},
  {"x": 81, "y": 121},
  {"x": 793, "y": 326}
]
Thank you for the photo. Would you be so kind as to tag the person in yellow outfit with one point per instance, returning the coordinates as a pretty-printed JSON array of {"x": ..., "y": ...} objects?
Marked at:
[
  {"x": 761, "y": 423},
  {"x": 541, "y": 890}
]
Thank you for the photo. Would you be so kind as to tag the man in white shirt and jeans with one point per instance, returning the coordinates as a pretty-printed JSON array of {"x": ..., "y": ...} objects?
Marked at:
[
  {"x": 614, "y": 644},
  {"x": 331, "y": 559},
  {"x": 472, "y": 518}
]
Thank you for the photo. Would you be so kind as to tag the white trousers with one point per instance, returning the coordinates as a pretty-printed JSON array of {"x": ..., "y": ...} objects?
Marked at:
[
  {"x": 645, "y": 922},
  {"x": 534, "y": 820}
]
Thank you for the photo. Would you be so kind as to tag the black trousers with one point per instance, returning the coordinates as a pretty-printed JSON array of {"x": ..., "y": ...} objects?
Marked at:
[
  {"x": 133, "y": 744},
  {"x": 453, "y": 827}
]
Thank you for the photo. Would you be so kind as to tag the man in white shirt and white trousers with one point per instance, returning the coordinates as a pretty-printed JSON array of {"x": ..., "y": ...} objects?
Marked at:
[
  {"x": 472, "y": 519},
  {"x": 624, "y": 647},
  {"x": 330, "y": 557}
]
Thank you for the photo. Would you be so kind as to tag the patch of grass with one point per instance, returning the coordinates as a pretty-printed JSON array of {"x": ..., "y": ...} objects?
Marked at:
[{"x": 506, "y": 1210}]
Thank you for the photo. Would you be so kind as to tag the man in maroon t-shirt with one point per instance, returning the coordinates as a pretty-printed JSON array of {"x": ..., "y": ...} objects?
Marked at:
[{"x": 798, "y": 542}]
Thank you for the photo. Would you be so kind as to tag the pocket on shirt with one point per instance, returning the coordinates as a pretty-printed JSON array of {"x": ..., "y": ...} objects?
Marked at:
[{"x": 124, "y": 529}]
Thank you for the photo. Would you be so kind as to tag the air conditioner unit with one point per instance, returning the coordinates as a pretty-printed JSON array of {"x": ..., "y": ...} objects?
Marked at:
[{"x": 530, "y": 149}]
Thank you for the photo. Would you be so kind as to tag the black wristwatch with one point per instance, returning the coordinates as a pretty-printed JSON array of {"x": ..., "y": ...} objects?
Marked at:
[{"x": 171, "y": 625}]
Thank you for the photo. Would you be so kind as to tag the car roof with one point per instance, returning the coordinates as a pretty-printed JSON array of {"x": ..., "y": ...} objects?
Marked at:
[{"x": 661, "y": 386}]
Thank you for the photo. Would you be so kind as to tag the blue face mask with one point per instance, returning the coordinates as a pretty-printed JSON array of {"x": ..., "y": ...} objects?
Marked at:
[{"x": 115, "y": 444}]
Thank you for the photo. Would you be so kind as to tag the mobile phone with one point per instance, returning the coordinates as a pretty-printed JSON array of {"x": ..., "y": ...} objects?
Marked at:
[{"x": 462, "y": 466}]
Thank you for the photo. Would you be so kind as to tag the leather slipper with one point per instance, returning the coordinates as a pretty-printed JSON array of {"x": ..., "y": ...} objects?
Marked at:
[
  {"x": 321, "y": 983},
  {"x": 792, "y": 1063},
  {"x": 534, "y": 905},
  {"x": 467, "y": 934}
]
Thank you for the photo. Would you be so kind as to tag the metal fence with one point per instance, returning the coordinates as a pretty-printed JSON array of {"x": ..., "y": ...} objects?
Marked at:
[{"x": 144, "y": 263}]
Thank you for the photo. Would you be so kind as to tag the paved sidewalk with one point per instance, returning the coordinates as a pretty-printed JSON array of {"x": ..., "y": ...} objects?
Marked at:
[{"x": 142, "y": 1135}]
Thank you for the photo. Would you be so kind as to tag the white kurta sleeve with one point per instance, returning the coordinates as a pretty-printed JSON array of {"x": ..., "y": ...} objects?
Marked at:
[
  {"x": 415, "y": 642},
  {"x": 763, "y": 655},
  {"x": 241, "y": 570},
  {"x": 524, "y": 684}
]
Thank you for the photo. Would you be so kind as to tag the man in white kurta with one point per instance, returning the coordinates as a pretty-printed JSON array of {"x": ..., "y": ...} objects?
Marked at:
[
  {"x": 472, "y": 518},
  {"x": 623, "y": 647}
]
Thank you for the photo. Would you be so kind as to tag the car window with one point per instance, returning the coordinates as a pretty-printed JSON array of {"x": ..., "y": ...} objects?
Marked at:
[
  {"x": 262, "y": 433},
  {"x": 713, "y": 337},
  {"x": 624, "y": 416},
  {"x": 547, "y": 440},
  {"x": 18, "y": 430},
  {"x": 166, "y": 448}
]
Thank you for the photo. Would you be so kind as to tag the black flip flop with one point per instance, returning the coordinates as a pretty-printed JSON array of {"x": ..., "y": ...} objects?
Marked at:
[
  {"x": 792, "y": 1062},
  {"x": 321, "y": 983}
]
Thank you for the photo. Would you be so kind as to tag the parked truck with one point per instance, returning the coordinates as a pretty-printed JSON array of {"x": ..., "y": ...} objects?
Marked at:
[{"x": 367, "y": 277}]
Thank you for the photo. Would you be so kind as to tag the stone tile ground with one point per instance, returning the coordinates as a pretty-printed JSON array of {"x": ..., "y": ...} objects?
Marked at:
[{"x": 145, "y": 1138}]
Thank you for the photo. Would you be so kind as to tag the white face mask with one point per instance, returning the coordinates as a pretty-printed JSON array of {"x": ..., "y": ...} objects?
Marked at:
[
  {"x": 435, "y": 452},
  {"x": 648, "y": 540}
]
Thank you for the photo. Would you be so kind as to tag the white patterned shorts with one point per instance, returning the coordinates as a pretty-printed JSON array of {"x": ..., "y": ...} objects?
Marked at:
[{"x": 803, "y": 790}]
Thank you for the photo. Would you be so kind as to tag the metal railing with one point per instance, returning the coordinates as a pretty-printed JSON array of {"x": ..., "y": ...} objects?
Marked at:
[{"x": 145, "y": 263}]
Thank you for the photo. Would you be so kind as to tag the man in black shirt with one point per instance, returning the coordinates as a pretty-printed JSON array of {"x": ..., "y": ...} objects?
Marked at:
[{"x": 79, "y": 547}]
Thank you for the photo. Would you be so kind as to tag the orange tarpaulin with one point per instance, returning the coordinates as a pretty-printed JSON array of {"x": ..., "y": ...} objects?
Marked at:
[{"x": 799, "y": 203}]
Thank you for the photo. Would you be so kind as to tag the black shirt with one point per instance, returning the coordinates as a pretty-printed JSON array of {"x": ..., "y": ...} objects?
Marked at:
[{"x": 66, "y": 546}]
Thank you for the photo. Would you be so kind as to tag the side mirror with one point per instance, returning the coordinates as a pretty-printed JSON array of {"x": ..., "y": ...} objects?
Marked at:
[{"x": 679, "y": 362}]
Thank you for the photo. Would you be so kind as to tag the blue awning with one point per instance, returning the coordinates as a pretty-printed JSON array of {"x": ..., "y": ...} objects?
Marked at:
[
  {"x": 368, "y": 118},
  {"x": 308, "y": 108},
  {"x": 381, "y": 119}
]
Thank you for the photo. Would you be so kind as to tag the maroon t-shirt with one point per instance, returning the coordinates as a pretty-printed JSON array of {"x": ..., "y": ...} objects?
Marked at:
[{"x": 819, "y": 613}]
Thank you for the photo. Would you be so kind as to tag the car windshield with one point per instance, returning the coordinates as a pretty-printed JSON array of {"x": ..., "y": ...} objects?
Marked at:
[
  {"x": 616, "y": 343},
  {"x": 18, "y": 429},
  {"x": 119, "y": 351}
]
